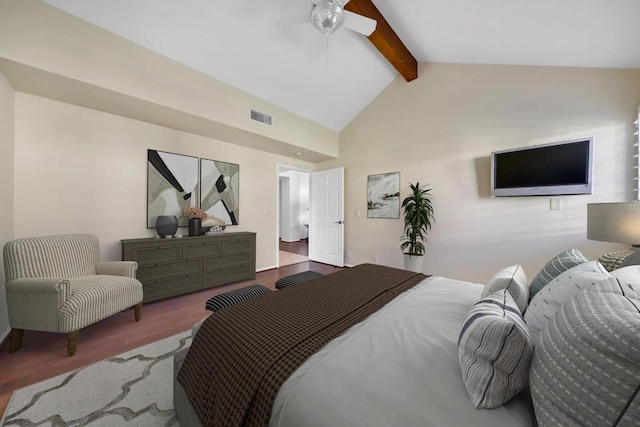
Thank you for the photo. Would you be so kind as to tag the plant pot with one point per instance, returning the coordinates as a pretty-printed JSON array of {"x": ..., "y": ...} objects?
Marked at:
[
  {"x": 166, "y": 225},
  {"x": 413, "y": 262},
  {"x": 195, "y": 227}
]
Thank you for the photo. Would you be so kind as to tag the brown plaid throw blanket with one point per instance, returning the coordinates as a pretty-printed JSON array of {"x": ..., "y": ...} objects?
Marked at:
[{"x": 243, "y": 354}]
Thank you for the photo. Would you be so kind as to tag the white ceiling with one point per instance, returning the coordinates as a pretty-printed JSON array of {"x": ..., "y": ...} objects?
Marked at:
[{"x": 269, "y": 49}]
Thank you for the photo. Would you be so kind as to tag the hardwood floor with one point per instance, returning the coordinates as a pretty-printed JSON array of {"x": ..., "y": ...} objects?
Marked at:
[
  {"x": 300, "y": 247},
  {"x": 44, "y": 355}
]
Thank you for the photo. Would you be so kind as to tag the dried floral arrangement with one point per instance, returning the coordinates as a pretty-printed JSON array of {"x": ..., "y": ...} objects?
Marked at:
[{"x": 194, "y": 213}]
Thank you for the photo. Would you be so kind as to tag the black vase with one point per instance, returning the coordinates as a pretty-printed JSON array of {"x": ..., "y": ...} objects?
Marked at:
[
  {"x": 166, "y": 225},
  {"x": 195, "y": 227}
]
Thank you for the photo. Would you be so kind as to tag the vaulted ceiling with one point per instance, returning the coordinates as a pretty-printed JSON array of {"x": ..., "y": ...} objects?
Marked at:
[{"x": 269, "y": 48}]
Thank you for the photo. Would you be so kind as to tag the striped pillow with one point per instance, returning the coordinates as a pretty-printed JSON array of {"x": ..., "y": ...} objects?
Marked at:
[
  {"x": 494, "y": 351},
  {"x": 586, "y": 367},
  {"x": 512, "y": 279},
  {"x": 233, "y": 297},
  {"x": 554, "y": 268},
  {"x": 560, "y": 290}
]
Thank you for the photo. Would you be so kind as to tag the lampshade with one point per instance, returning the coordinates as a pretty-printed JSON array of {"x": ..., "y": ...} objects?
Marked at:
[{"x": 614, "y": 222}]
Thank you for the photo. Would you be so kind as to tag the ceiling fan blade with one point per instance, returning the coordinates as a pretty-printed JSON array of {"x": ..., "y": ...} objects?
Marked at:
[{"x": 359, "y": 23}]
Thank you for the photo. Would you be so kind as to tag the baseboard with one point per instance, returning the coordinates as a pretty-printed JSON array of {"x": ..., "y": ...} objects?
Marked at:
[
  {"x": 349, "y": 265},
  {"x": 273, "y": 267},
  {"x": 4, "y": 338}
]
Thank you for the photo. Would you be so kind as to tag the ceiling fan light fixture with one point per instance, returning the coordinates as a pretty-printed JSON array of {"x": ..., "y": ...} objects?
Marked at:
[{"x": 327, "y": 15}]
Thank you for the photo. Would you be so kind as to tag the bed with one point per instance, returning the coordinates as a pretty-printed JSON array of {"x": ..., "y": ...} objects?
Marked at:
[{"x": 397, "y": 366}]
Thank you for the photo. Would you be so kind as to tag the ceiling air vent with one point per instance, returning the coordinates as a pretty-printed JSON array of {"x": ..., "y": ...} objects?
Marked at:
[{"x": 259, "y": 116}]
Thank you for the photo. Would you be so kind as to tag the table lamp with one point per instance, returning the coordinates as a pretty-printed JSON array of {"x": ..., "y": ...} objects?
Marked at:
[{"x": 617, "y": 223}]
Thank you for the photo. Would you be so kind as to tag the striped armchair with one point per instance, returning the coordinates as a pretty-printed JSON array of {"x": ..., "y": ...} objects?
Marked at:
[{"x": 58, "y": 284}]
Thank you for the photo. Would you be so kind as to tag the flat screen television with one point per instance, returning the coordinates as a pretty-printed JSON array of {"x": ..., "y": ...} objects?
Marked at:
[{"x": 559, "y": 168}]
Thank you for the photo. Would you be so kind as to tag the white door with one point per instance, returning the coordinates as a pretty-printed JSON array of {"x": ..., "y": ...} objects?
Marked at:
[{"x": 326, "y": 222}]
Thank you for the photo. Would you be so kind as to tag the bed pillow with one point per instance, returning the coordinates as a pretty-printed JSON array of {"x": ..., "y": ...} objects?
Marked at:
[
  {"x": 559, "y": 264},
  {"x": 628, "y": 275},
  {"x": 633, "y": 259},
  {"x": 586, "y": 367},
  {"x": 558, "y": 291},
  {"x": 494, "y": 351},
  {"x": 513, "y": 280}
]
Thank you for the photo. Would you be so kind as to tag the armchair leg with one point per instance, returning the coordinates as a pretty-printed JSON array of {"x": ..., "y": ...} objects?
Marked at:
[
  {"x": 138, "y": 311},
  {"x": 72, "y": 342},
  {"x": 16, "y": 340}
]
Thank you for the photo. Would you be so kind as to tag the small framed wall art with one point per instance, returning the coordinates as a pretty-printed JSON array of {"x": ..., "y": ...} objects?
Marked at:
[{"x": 383, "y": 195}]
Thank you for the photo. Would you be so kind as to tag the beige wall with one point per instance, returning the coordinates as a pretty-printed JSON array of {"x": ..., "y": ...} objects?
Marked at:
[
  {"x": 440, "y": 130},
  {"x": 6, "y": 187},
  {"x": 80, "y": 170},
  {"x": 89, "y": 58}
]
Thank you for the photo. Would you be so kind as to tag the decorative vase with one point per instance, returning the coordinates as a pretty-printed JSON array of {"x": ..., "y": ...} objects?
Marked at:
[
  {"x": 166, "y": 225},
  {"x": 195, "y": 227}
]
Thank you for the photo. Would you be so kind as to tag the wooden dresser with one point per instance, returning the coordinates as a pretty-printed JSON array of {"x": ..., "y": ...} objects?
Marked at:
[{"x": 169, "y": 267}]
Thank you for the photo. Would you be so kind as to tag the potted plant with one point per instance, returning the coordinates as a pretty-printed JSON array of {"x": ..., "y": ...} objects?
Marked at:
[{"x": 418, "y": 217}]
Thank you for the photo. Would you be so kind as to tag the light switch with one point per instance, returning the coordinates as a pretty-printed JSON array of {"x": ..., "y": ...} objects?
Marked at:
[{"x": 555, "y": 204}]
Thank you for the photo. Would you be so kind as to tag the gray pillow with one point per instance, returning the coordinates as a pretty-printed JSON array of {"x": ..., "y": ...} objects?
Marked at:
[
  {"x": 560, "y": 290},
  {"x": 559, "y": 264},
  {"x": 513, "y": 280},
  {"x": 494, "y": 351},
  {"x": 586, "y": 367}
]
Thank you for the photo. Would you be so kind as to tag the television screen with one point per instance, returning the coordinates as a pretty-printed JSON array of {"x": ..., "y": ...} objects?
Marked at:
[{"x": 560, "y": 168}]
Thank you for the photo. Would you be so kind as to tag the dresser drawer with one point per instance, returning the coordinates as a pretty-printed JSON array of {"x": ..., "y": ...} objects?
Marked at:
[
  {"x": 200, "y": 250},
  {"x": 159, "y": 289},
  {"x": 162, "y": 271},
  {"x": 213, "y": 263},
  {"x": 228, "y": 274},
  {"x": 237, "y": 245},
  {"x": 155, "y": 254}
]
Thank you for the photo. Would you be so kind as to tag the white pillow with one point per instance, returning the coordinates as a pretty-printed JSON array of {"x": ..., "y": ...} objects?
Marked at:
[
  {"x": 628, "y": 276},
  {"x": 514, "y": 280},
  {"x": 559, "y": 290}
]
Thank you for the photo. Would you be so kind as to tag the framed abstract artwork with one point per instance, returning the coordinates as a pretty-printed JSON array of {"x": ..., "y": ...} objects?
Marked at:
[
  {"x": 172, "y": 185},
  {"x": 220, "y": 190},
  {"x": 383, "y": 195}
]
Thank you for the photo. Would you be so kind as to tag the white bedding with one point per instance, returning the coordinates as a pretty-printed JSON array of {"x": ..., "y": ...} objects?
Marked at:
[{"x": 397, "y": 368}]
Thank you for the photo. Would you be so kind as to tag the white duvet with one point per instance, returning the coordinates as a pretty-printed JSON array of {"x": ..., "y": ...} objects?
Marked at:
[{"x": 397, "y": 368}]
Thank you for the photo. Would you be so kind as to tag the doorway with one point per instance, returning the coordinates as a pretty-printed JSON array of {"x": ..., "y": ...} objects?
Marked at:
[{"x": 293, "y": 215}]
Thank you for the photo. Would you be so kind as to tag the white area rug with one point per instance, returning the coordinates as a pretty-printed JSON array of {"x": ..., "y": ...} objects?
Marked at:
[{"x": 132, "y": 389}]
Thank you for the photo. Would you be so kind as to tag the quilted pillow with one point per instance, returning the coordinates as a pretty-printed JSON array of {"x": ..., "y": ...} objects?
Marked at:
[
  {"x": 559, "y": 290},
  {"x": 513, "y": 280},
  {"x": 494, "y": 351},
  {"x": 559, "y": 264},
  {"x": 586, "y": 367},
  {"x": 633, "y": 259}
]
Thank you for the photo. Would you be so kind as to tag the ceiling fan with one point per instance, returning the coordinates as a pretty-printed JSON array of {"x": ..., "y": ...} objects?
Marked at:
[{"x": 329, "y": 15}]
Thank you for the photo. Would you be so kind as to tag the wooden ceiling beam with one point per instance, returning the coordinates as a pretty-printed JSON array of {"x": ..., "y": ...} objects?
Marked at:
[{"x": 386, "y": 40}]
